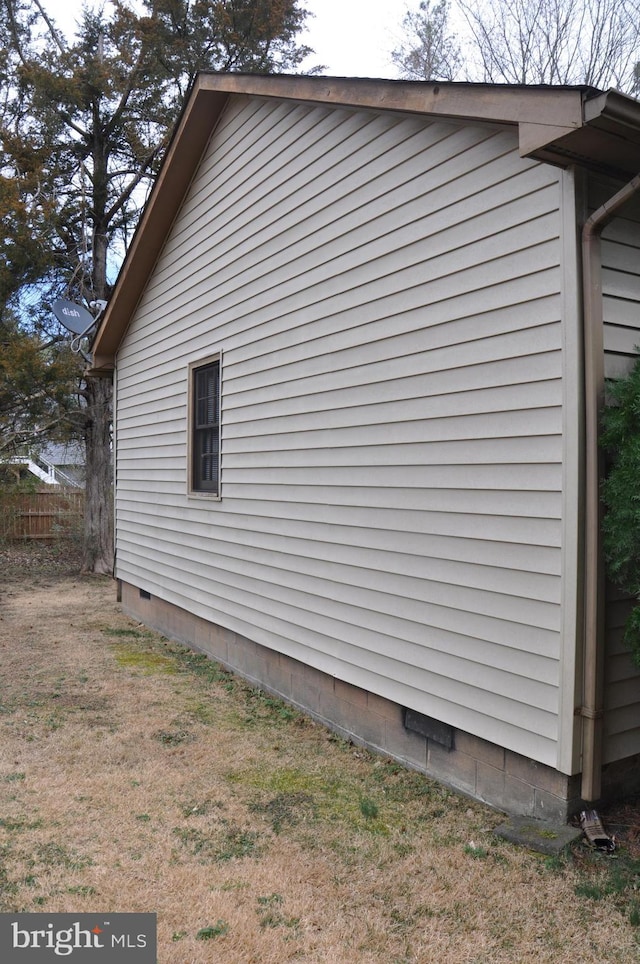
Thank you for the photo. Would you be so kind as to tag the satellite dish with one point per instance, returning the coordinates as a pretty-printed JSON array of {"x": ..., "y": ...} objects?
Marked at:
[{"x": 75, "y": 318}]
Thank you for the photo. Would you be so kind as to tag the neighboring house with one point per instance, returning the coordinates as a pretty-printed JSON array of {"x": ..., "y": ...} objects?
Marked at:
[
  {"x": 356, "y": 451},
  {"x": 55, "y": 464}
]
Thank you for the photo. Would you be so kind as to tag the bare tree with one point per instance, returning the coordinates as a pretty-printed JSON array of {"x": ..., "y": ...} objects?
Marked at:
[
  {"x": 595, "y": 42},
  {"x": 428, "y": 51}
]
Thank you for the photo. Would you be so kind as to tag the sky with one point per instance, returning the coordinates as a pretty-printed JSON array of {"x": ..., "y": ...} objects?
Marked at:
[
  {"x": 351, "y": 38},
  {"x": 354, "y": 38}
]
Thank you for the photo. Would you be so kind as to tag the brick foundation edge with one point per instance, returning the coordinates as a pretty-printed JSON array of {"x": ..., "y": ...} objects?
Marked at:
[{"x": 478, "y": 769}]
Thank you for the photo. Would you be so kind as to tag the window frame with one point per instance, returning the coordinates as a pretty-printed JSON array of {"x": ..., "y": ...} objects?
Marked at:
[{"x": 194, "y": 489}]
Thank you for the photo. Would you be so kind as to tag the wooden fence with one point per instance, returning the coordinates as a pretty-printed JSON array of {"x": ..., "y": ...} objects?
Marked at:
[{"x": 47, "y": 515}]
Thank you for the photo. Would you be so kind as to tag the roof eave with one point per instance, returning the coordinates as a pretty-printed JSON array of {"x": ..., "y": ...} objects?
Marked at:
[
  {"x": 608, "y": 140},
  {"x": 186, "y": 148},
  {"x": 551, "y": 123}
]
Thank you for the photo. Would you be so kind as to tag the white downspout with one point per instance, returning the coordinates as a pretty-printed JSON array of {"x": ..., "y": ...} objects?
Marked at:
[{"x": 593, "y": 319}]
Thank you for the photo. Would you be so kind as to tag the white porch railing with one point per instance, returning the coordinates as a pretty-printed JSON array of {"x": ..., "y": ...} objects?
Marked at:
[{"x": 49, "y": 474}]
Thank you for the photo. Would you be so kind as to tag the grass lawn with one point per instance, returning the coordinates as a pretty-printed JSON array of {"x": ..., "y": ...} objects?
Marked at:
[{"x": 136, "y": 775}]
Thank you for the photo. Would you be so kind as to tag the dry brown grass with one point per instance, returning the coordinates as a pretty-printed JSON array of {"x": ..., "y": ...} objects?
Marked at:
[{"x": 134, "y": 777}]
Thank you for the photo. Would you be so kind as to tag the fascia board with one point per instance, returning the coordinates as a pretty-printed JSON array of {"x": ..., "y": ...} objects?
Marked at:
[
  {"x": 187, "y": 146},
  {"x": 561, "y": 109}
]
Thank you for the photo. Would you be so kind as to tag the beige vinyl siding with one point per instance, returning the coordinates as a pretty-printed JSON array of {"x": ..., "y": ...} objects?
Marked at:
[
  {"x": 622, "y": 682},
  {"x": 621, "y": 303},
  {"x": 620, "y": 280},
  {"x": 386, "y": 294}
]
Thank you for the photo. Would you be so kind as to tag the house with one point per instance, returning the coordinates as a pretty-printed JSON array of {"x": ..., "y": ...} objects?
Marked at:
[
  {"x": 56, "y": 463},
  {"x": 357, "y": 391}
]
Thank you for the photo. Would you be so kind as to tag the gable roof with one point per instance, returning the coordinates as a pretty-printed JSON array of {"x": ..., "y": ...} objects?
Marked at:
[{"x": 559, "y": 125}]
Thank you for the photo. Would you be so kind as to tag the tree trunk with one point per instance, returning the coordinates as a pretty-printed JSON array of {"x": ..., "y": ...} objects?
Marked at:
[
  {"x": 98, "y": 520},
  {"x": 98, "y": 512}
]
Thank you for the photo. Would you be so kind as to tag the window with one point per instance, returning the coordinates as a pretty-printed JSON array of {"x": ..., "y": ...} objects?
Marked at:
[{"x": 205, "y": 427}]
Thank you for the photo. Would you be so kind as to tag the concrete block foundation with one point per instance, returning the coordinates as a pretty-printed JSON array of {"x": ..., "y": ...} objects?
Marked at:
[{"x": 481, "y": 770}]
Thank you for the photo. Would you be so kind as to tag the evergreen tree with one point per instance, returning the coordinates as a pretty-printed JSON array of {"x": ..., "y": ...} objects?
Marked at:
[
  {"x": 83, "y": 127},
  {"x": 39, "y": 380}
]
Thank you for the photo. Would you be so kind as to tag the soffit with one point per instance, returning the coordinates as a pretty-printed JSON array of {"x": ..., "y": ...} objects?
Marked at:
[
  {"x": 558, "y": 125},
  {"x": 608, "y": 139}
]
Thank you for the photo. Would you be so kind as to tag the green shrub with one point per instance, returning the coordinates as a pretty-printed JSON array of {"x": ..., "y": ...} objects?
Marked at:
[{"x": 621, "y": 495}]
